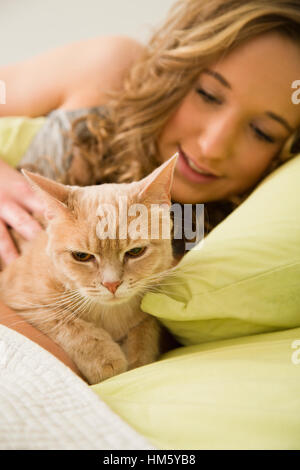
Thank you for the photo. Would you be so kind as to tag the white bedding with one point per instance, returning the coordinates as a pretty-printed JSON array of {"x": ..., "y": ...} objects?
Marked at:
[{"x": 44, "y": 405}]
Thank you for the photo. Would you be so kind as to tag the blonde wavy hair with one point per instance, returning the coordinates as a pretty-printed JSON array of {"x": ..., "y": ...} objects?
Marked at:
[{"x": 122, "y": 147}]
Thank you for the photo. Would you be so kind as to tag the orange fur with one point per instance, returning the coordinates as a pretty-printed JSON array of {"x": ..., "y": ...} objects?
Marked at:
[{"x": 66, "y": 299}]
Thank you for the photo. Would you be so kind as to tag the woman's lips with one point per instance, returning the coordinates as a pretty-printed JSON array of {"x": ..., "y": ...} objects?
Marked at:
[{"x": 189, "y": 173}]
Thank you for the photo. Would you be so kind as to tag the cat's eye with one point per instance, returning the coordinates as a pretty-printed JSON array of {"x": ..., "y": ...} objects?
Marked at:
[
  {"x": 135, "y": 252},
  {"x": 83, "y": 257}
]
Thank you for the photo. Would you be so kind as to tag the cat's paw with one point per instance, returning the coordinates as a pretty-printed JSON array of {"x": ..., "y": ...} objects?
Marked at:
[
  {"x": 113, "y": 367},
  {"x": 107, "y": 365}
]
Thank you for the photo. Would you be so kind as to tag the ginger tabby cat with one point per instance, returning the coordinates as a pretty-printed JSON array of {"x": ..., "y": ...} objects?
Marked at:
[{"x": 83, "y": 289}]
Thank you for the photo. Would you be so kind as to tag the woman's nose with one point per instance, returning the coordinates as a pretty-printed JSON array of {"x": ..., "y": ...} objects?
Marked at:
[{"x": 217, "y": 138}]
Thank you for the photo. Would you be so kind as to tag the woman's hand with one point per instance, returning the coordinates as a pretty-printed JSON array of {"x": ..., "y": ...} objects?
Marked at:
[{"x": 17, "y": 203}]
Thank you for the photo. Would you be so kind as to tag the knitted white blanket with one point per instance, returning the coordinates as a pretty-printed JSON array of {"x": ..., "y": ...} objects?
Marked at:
[{"x": 44, "y": 405}]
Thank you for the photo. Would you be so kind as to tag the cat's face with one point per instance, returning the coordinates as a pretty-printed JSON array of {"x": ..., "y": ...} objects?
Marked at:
[{"x": 110, "y": 270}]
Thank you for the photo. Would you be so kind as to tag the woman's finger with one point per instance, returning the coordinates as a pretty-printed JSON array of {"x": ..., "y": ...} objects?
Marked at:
[
  {"x": 27, "y": 197},
  {"x": 8, "y": 250},
  {"x": 19, "y": 219}
]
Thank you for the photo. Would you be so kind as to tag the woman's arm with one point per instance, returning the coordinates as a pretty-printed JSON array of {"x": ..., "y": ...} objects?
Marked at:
[
  {"x": 10, "y": 319},
  {"x": 71, "y": 76}
]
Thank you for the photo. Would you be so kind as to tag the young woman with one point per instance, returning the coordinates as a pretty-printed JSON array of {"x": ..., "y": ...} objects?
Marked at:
[{"x": 214, "y": 83}]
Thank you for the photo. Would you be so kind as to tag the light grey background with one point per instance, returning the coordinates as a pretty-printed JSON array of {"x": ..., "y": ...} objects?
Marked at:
[{"x": 29, "y": 27}]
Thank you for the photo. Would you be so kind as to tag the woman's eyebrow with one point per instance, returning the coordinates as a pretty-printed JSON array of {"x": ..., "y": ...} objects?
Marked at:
[
  {"x": 279, "y": 119},
  {"x": 218, "y": 76},
  {"x": 270, "y": 114}
]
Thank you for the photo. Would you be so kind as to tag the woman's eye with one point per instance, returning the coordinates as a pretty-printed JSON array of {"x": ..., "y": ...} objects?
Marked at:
[
  {"x": 262, "y": 135},
  {"x": 207, "y": 96},
  {"x": 80, "y": 256},
  {"x": 135, "y": 252}
]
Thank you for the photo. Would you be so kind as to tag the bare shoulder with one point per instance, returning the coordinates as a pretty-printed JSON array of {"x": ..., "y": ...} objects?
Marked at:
[
  {"x": 74, "y": 75},
  {"x": 102, "y": 63}
]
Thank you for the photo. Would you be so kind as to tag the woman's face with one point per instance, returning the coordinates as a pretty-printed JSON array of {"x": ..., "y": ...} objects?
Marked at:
[{"x": 234, "y": 120}]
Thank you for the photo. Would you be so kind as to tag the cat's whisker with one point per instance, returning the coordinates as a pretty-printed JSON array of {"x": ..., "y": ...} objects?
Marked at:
[
  {"x": 168, "y": 276},
  {"x": 74, "y": 312},
  {"x": 157, "y": 290},
  {"x": 63, "y": 295},
  {"x": 62, "y": 300},
  {"x": 50, "y": 316},
  {"x": 146, "y": 282},
  {"x": 86, "y": 307},
  {"x": 169, "y": 284},
  {"x": 187, "y": 271},
  {"x": 55, "y": 310},
  {"x": 15, "y": 323},
  {"x": 57, "y": 295},
  {"x": 71, "y": 303},
  {"x": 54, "y": 316},
  {"x": 59, "y": 311}
]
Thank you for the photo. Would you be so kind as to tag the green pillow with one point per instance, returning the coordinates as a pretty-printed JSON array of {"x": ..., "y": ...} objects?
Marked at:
[
  {"x": 245, "y": 278},
  {"x": 241, "y": 393},
  {"x": 16, "y": 133}
]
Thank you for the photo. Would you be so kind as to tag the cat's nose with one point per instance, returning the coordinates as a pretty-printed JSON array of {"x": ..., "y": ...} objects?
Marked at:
[{"x": 112, "y": 286}]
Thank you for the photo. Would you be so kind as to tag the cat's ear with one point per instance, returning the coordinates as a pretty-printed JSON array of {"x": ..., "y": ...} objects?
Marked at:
[
  {"x": 156, "y": 187},
  {"x": 54, "y": 195}
]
